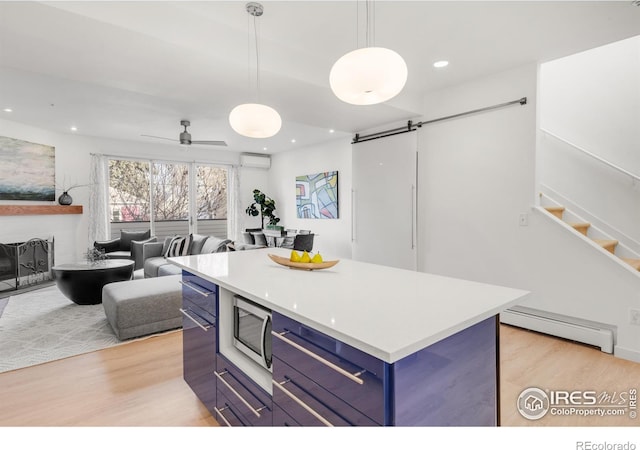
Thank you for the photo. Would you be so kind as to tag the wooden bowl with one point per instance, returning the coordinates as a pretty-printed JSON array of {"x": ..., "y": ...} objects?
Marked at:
[{"x": 300, "y": 265}]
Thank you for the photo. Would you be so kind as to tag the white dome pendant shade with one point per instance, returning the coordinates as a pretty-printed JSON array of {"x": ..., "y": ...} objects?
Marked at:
[
  {"x": 368, "y": 76},
  {"x": 255, "y": 120}
]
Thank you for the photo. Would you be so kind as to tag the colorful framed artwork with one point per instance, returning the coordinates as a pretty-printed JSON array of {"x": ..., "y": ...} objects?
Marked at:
[
  {"x": 27, "y": 170},
  {"x": 317, "y": 196}
]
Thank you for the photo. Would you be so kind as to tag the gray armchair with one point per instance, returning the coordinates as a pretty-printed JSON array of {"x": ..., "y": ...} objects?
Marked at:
[{"x": 127, "y": 246}]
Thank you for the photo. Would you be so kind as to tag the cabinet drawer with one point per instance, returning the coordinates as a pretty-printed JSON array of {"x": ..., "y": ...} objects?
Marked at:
[
  {"x": 364, "y": 391},
  {"x": 198, "y": 314},
  {"x": 199, "y": 359},
  {"x": 282, "y": 419},
  {"x": 250, "y": 400},
  {"x": 308, "y": 403},
  {"x": 227, "y": 414},
  {"x": 202, "y": 293}
]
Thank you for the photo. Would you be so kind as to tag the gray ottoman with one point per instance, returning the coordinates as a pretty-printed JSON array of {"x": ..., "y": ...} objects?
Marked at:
[{"x": 139, "y": 307}]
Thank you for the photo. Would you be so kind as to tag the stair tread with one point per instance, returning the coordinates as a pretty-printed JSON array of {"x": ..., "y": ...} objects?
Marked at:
[
  {"x": 557, "y": 211},
  {"x": 607, "y": 244},
  {"x": 606, "y": 241},
  {"x": 633, "y": 262},
  {"x": 580, "y": 227}
]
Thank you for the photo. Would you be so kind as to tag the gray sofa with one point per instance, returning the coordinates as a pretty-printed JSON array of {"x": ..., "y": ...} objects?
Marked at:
[
  {"x": 155, "y": 264},
  {"x": 145, "y": 306}
]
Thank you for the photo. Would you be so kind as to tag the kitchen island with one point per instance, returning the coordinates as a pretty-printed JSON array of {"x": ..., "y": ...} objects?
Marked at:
[{"x": 356, "y": 344}]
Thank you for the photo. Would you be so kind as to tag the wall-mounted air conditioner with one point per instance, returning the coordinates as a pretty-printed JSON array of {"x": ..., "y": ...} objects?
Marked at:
[{"x": 255, "y": 160}]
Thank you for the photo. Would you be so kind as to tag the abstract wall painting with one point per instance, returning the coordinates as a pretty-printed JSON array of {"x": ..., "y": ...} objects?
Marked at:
[
  {"x": 27, "y": 170},
  {"x": 317, "y": 196}
]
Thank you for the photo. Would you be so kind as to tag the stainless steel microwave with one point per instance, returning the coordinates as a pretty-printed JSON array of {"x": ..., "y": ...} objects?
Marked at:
[{"x": 252, "y": 330}]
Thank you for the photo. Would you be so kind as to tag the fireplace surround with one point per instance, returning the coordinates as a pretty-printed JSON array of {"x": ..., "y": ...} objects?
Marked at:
[{"x": 25, "y": 265}]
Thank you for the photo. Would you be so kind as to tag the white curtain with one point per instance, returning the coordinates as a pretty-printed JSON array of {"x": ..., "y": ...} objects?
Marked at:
[
  {"x": 98, "y": 200},
  {"x": 233, "y": 211}
]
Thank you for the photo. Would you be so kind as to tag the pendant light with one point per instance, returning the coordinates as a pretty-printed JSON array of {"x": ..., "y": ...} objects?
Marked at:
[
  {"x": 254, "y": 119},
  {"x": 368, "y": 75}
]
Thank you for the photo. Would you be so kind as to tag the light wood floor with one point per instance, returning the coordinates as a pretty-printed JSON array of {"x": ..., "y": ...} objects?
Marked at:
[{"x": 140, "y": 384}]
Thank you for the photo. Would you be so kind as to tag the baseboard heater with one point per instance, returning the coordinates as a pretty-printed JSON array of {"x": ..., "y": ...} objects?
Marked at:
[{"x": 588, "y": 332}]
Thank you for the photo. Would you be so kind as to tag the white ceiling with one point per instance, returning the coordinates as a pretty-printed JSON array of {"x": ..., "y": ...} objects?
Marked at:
[{"x": 122, "y": 69}]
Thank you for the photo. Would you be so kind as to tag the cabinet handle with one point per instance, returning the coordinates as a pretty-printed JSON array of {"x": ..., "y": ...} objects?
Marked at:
[
  {"x": 237, "y": 394},
  {"x": 307, "y": 408},
  {"x": 319, "y": 358},
  {"x": 199, "y": 291},
  {"x": 186, "y": 314},
  {"x": 219, "y": 411}
]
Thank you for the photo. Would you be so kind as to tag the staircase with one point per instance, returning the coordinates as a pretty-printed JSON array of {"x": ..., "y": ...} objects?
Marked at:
[{"x": 607, "y": 243}]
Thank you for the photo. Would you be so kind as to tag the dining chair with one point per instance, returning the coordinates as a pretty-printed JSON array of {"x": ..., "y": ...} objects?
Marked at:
[{"x": 303, "y": 242}]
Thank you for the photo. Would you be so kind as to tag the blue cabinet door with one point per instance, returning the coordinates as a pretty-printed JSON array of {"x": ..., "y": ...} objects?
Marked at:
[
  {"x": 247, "y": 398},
  {"x": 199, "y": 340},
  {"x": 348, "y": 373},
  {"x": 310, "y": 404}
]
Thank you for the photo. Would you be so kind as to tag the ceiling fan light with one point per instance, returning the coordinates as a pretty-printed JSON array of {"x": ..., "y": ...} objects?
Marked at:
[
  {"x": 368, "y": 76},
  {"x": 255, "y": 120}
]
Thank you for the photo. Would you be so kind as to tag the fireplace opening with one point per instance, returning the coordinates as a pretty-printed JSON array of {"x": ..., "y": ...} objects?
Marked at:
[{"x": 25, "y": 265}]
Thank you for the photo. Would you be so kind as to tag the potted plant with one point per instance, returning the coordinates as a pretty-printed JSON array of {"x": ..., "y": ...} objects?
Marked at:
[{"x": 264, "y": 206}]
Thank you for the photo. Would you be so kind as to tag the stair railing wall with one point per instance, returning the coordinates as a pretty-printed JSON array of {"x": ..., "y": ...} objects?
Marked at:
[{"x": 606, "y": 195}]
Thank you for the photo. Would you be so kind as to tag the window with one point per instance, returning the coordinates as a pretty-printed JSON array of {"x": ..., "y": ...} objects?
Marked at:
[
  {"x": 168, "y": 197},
  {"x": 129, "y": 191}
]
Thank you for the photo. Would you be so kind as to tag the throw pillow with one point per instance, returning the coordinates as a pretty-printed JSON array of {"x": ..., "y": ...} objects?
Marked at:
[
  {"x": 215, "y": 245},
  {"x": 179, "y": 246},
  {"x": 259, "y": 238},
  {"x": 197, "y": 242}
]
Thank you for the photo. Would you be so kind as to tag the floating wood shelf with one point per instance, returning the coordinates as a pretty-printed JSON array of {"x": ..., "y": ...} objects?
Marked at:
[{"x": 35, "y": 210}]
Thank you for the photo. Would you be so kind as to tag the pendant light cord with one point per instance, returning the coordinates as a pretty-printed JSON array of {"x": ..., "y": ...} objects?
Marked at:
[
  {"x": 370, "y": 29},
  {"x": 255, "y": 32}
]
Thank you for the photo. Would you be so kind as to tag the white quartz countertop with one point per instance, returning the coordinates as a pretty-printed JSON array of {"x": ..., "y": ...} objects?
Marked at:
[{"x": 387, "y": 312}]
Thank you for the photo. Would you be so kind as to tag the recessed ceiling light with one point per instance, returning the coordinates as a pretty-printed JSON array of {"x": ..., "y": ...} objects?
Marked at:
[
  {"x": 293, "y": 141},
  {"x": 439, "y": 64},
  {"x": 8, "y": 110},
  {"x": 74, "y": 129},
  {"x": 332, "y": 130},
  {"x": 264, "y": 148}
]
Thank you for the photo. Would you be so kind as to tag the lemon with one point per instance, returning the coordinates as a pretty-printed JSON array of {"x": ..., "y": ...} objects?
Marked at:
[
  {"x": 317, "y": 258},
  {"x": 295, "y": 257},
  {"x": 305, "y": 258}
]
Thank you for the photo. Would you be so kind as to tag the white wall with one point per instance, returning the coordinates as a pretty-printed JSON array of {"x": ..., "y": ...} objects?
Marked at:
[
  {"x": 333, "y": 236},
  {"x": 72, "y": 154},
  {"x": 592, "y": 99},
  {"x": 476, "y": 176}
]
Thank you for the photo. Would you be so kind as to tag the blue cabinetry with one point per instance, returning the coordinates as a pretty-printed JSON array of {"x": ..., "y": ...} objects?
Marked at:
[
  {"x": 199, "y": 337},
  {"x": 249, "y": 402},
  {"x": 320, "y": 381}
]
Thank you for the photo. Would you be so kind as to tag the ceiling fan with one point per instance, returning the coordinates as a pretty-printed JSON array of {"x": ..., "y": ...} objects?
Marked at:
[{"x": 185, "y": 137}]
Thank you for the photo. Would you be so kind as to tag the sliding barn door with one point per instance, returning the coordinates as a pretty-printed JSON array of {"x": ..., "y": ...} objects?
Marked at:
[{"x": 384, "y": 201}]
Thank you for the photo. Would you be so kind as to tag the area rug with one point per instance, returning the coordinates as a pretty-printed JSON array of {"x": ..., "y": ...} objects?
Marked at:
[{"x": 43, "y": 325}]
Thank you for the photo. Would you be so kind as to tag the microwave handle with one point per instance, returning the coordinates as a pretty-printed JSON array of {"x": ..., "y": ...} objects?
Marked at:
[{"x": 263, "y": 340}]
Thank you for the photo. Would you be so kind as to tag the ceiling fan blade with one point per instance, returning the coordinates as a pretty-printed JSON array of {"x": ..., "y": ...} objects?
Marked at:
[
  {"x": 159, "y": 137},
  {"x": 210, "y": 142}
]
